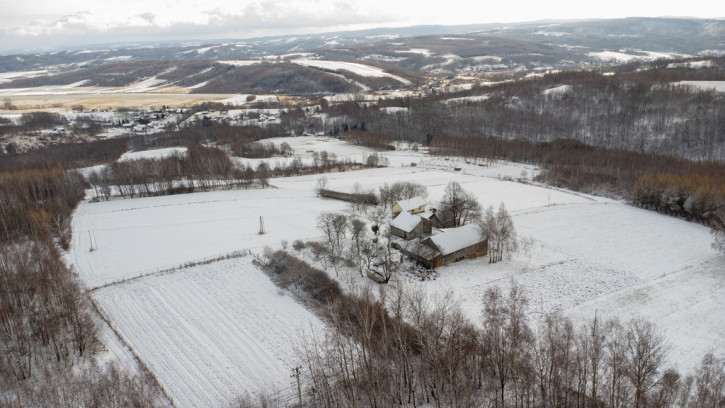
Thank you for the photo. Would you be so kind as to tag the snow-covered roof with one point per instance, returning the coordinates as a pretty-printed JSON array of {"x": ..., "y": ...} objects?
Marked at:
[
  {"x": 455, "y": 239},
  {"x": 426, "y": 214},
  {"x": 405, "y": 221},
  {"x": 411, "y": 203}
]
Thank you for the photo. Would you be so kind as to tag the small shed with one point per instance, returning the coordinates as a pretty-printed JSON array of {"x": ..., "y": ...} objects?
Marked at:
[
  {"x": 412, "y": 205},
  {"x": 455, "y": 244},
  {"x": 409, "y": 226}
]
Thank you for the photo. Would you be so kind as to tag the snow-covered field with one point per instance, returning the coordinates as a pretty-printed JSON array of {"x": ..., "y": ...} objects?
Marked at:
[
  {"x": 462, "y": 99},
  {"x": 140, "y": 236},
  {"x": 612, "y": 55},
  {"x": 211, "y": 333},
  {"x": 11, "y": 76},
  {"x": 205, "y": 331},
  {"x": 557, "y": 90},
  {"x": 152, "y": 154},
  {"x": 239, "y": 63},
  {"x": 605, "y": 257},
  {"x": 718, "y": 86},
  {"x": 623, "y": 56},
  {"x": 356, "y": 68}
]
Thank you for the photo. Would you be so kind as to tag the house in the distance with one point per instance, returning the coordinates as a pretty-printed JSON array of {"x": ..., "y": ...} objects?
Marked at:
[
  {"x": 412, "y": 205},
  {"x": 409, "y": 226},
  {"x": 454, "y": 244}
]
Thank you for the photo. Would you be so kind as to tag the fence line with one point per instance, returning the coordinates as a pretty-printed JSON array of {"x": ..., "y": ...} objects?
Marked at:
[{"x": 173, "y": 268}]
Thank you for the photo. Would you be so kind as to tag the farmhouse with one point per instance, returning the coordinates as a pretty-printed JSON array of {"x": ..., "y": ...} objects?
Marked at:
[
  {"x": 453, "y": 245},
  {"x": 409, "y": 226},
  {"x": 412, "y": 205}
]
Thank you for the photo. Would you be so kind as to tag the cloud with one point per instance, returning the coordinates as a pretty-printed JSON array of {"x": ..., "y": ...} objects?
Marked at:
[
  {"x": 83, "y": 22},
  {"x": 292, "y": 14},
  {"x": 188, "y": 21}
]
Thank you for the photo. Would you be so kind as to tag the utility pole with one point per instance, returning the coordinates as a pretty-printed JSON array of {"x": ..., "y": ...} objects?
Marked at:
[{"x": 296, "y": 374}]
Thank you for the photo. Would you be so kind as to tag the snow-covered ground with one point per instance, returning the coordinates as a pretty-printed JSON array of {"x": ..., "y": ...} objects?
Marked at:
[
  {"x": 612, "y": 55},
  {"x": 145, "y": 85},
  {"x": 394, "y": 109},
  {"x": 422, "y": 51},
  {"x": 211, "y": 333},
  {"x": 239, "y": 63},
  {"x": 140, "y": 236},
  {"x": 11, "y": 76},
  {"x": 476, "y": 98},
  {"x": 205, "y": 331},
  {"x": 356, "y": 68},
  {"x": 622, "y": 55},
  {"x": 691, "y": 64},
  {"x": 241, "y": 99},
  {"x": 557, "y": 90},
  {"x": 718, "y": 86},
  {"x": 152, "y": 154}
]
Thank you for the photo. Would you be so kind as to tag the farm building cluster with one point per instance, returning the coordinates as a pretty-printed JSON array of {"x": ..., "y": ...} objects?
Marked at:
[{"x": 437, "y": 240}]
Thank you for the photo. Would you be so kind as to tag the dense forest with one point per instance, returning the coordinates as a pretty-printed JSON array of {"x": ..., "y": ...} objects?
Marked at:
[{"x": 49, "y": 337}]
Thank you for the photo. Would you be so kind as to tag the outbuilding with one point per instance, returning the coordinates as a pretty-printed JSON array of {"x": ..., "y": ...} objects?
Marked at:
[
  {"x": 409, "y": 226},
  {"x": 453, "y": 245}
]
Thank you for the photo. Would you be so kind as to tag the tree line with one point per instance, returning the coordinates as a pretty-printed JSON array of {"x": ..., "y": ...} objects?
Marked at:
[
  {"x": 38, "y": 203},
  {"x": 201, "y": 168},
  {"x": 49, "y": 337}
]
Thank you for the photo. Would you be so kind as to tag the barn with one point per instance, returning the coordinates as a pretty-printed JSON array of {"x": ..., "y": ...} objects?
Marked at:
[
  {"x": 453, "y": 245},
  {"x": 409, "y": 226}
]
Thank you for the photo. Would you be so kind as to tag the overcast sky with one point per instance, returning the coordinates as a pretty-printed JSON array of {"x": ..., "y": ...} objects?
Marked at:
[{"x": 45, "y": 24}]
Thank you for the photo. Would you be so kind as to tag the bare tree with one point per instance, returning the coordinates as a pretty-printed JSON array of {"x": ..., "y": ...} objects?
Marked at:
[
  {"x": 499, "y": 229},
  {"x": 618, "y": 390},
  {"x": 263, "y": 173},
  {"x": 463, "y": 206},
  {"x": 358, "y": 245},
  {"x": 322, "y": 184},
  {"x": 334, "y": 228},
  {"x": 710, "y": 382},
  {"x": 389, "y": 261},
  {"x": 506, "y": 336},
  {"x": 400, "y": 190},
  {"x": 645, "y": 353}
]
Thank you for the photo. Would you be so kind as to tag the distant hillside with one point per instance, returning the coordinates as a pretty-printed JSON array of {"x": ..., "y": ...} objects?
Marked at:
[
  {"x": 434, "y": 48},
  {"x": 227, "y": 76},
  {"x": 678, "y": 35},
  {"x": 281, "y": 78}
]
